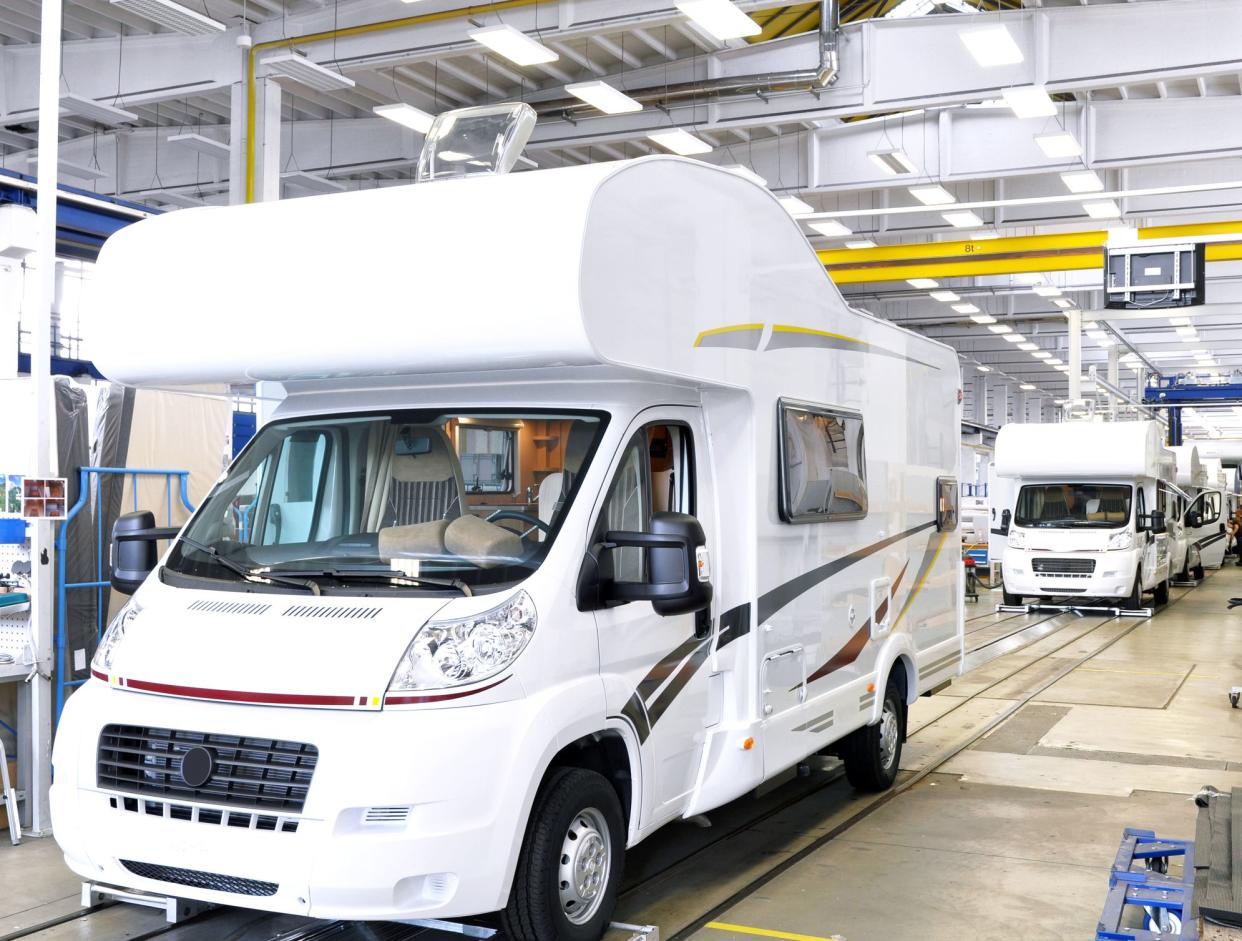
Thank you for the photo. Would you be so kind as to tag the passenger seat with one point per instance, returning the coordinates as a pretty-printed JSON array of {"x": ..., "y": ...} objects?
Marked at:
[{"x": 424, "y": 487}]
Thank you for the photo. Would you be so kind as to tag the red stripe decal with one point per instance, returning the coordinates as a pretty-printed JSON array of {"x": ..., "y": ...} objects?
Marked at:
[
  {"x": 99, "y": 676},
  {"x": 232, "y": 695},
  {"x": 438, "y": 697}
]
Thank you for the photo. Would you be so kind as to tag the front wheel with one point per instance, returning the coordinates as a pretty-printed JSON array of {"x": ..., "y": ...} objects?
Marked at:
[
  {"x": 1161, "y": 593},
  {"x": 1134, "y": 600},
  {"x": 873, "y": 753},
  {"x": 565, "y": 887},
  {"x": 1009, "y": 598}
]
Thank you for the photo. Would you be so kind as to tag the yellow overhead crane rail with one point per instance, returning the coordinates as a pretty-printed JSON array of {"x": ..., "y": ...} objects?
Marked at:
[{"x": 1068, "y": 251}]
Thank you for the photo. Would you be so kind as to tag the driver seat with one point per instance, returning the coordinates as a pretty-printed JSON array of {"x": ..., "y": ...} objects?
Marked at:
[{"x": 425, "y": 486}]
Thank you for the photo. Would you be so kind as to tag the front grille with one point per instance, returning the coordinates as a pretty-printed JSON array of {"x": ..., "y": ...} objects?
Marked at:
[
  {"x": 1063, "y": 566},
  {"x": 257, "y": 773},
  {"x": 203, "y": 815},
  {"x": 200, "y": 880}
]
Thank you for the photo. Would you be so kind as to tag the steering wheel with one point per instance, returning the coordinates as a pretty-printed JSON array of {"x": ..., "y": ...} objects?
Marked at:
[{"x": 534, "y": 521}]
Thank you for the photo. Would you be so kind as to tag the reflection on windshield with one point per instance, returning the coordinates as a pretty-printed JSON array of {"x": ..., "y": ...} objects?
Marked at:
[
  {"x": 1093, "y": 506},
  {"x": 414, "y": 500}
]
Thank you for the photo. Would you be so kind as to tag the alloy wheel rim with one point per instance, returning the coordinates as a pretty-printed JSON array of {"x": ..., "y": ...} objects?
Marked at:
[
  {"x": 585, "y": 865},
  {"x": 889, "y": 735}
]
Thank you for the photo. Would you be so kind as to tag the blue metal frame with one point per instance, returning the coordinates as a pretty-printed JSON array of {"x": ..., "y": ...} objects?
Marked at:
[
  {"x": 87, "y": 476},
  {"x": 1174, "y": 392},
  {"x": 1145, "y": 888}
]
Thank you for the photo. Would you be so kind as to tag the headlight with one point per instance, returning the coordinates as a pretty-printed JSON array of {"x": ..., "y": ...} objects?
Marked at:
[
  {"x": 1123, "y": 540},
  {"x": 113, "y": 636},
  {"x": 454, "y": 653},
  {"x": 1017, "y": 539}
]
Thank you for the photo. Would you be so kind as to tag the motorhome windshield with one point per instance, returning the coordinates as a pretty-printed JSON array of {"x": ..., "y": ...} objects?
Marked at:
[
  {"x": 402, "y": 501},
  {"x": 1091, "y": 506}
]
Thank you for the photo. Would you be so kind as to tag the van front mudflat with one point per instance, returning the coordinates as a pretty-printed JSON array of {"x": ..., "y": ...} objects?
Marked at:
[{"x": 402, "y": 817}]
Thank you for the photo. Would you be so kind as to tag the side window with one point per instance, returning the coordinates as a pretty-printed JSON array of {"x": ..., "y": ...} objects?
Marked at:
[
  {"x": 1211, "y": 512},
  {"x": 822, "y": 466},
  {"x": 656, "y": 474},
  {"x": 297, "y": 489},
  {"x": 946, "y": 504},
  {"x": 488, "y": 458},
  {"x": 1140, "y": 513}
]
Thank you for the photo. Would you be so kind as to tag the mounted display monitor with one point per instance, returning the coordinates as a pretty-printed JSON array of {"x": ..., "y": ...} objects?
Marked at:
[{"x": 1138, "y": 277}]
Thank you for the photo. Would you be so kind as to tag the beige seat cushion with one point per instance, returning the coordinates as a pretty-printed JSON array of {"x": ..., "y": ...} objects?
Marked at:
[
  {"x": 485, "y": 544},
  {"x": 417, "y": 541}
]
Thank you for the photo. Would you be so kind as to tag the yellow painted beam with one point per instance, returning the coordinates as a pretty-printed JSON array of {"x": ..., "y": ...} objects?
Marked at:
[{"x": 965, "y": 249}]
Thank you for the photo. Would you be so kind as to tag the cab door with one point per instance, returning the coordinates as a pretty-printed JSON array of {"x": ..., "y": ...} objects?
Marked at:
[
  {"x": 655, "y": 668},
  {"x": 1209, "y": 536}
]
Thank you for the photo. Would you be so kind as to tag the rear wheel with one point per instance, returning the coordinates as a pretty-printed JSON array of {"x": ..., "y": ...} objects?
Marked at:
[
  {"x": 872, "y": 754},
  {"x": 565, "y": 887},
  {"x": 1161, "y": 594},
  {"x": 1199, "y": 573}
]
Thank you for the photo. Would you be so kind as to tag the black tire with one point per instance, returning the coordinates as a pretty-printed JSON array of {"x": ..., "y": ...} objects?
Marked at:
[
  {"x": 1161, "y": 594},
  {"x": 1199, "y": 573},
  {"x": 1010, "y": 600},
  {"x": 566, "y": 800},
  {"x": 866, "y": 766},
  {"x": 1134, "y": 600}
]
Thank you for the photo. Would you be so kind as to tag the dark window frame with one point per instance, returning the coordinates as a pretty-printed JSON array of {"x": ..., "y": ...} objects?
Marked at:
[{"x": 783, "y": 502}]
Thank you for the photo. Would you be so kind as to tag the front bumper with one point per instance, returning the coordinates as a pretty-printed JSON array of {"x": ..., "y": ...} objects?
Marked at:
[
  {"x": 452, "y": 855},
  {"x": 1111, "y": 577}
]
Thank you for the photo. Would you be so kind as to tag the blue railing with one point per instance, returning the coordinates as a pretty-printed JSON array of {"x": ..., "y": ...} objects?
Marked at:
[{"x": 89, "y": 479}]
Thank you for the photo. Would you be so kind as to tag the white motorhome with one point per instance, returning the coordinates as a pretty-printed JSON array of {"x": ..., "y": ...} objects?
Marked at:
[
  {"x": 1188, "y": 477},
  {"x": 1089, "y": 510},
  {"x": 1207, "y": 511},
  {"x": 548, "y": 545}
]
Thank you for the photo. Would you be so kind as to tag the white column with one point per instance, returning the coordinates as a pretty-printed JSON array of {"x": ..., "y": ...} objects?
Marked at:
[
  {"x": 10, "y": 304},
  {"x": 1000, "y": 404},
  {"x": 42, "y": 550},
  {"x": 1114, "y": 375},
  {"x": 267, "y": 152},
  {"x": 237, "y": 141},
  {"x": 979, "y": 400},
  {"x": 1074, "y": 319}
]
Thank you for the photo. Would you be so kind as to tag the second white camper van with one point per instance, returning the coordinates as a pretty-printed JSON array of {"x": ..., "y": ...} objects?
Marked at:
[
  {"x": 545, "y": 548},
  {"x": 1089, "y": 510}
]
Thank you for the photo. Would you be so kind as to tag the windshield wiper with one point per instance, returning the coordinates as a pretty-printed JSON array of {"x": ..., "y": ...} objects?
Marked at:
[
  {"x": 251, "y": 575},
  {"x": 392, "y": 578}
]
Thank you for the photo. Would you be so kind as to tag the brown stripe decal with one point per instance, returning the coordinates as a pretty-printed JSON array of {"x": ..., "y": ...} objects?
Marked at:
[
  {"x": 684, "y": 675},
  {"x": 854, "y": 646},
  {"x": 665, "y": 668}
]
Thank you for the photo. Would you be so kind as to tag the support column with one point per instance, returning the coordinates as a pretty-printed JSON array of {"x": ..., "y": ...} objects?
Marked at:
[
  {"x": 37, "y": 700},
  {"x": 979, "y": 401},
  {"x": 1000, "y": 404},
  {"x": 1074, "y": 318},
  {"x": 1114, "y": 375},
  {"x": 10, "y": 304},
  {"x": 267, "y": 153},
  {"x": 237, "y": 141}
]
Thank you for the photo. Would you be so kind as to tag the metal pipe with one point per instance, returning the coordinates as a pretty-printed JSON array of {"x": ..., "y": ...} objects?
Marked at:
[
  {"x": 1119, "y": 393},
  {"x": 737, "y": 86}
]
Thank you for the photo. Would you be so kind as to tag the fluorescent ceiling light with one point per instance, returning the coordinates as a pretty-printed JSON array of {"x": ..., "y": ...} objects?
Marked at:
[
  {"x": 513, "y": 44},
  {"x": 1000, "y": 328},
  {"x": 66, "y": 168},
  {"x": 945, "y": 297},
  {"x": 1027, "y": 387},
  {"x": 204, "y": 145},
  {"x": 1062, "y": 369},
  {"x": 1028, "y": 346},
  {"x": 982, "y": 368},
  {"x": 683, "y": 143},
  {"x": 831, "y": 228},
  {"x": 1102, "y": 208},
  {"x": 964, "y": 219},
  {"x": 173, "y": 15},
  {"x": 1090, "y": 324},
  {"x": 1063, "y": 144},
  {"x": 894, "y": 162},
  {"x": 406, "y": 115},
  {"x": 1180, "y": 321},
  {"x": 746, "y": 172},
  {"x": 1042, "y": 354},
  {"x": 923, "y": 284},
  {"x": 296, "y": 67},
  {"x": 1030, "y": 101},
  {"x": 604, "y": 97},
  {"x": 1082, "y": 181},
  {"x": 96, "y": 111},
  {"x": 1097, "y": 334},
  {"x": 932, "y": 195},
  {"x": 981, "y": 236},
  {"x": 720, "y": 18},
  {"x": 970, "y": 309},
  {"x": 861, "y": 243},
  {"x": 1053, "y": 361},
  {"x": 1028, "y": 278},
  {"x": 1186, "y": 331},
  {"x": 992, "y": 45},
  {"x": 795, "y": 206},
  {"x": 983, "y": 319},
  {"x": 1046, "y": 290},
  {"x": 1014, "y": 338},
  {"x": 1062, "y": 302}
]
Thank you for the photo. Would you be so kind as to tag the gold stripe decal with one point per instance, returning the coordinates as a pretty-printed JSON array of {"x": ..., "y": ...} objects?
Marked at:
[
  {"x": 747, "y": 336},
  {"x": 929, "y": 562},
  {"x": 742, "y": 336}
]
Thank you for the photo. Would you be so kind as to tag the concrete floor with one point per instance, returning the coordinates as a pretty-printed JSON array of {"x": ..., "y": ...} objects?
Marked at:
[{"x": 1011, "y": 837}]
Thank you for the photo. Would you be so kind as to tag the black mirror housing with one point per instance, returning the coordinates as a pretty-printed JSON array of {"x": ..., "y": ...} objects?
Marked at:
[
  {"x": 1194, "y": 519},
  {"x": 673, "y": 585},
  {"x": 135, "y": 549},
  {"x": 1158, "y": 524}
]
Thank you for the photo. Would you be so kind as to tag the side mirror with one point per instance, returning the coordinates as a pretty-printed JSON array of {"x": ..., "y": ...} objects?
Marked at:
[
  {"x": 1194, "y": 519},
  {"x": 135, "y": 552},
  {"x": 672, "y": 582},
  {"x": 1159, "y": 526}
]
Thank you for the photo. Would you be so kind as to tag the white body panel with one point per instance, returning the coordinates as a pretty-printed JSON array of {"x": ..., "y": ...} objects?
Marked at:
[
  {"x": 679, "y": 293},
  {"x": 1054, "y": 561}
]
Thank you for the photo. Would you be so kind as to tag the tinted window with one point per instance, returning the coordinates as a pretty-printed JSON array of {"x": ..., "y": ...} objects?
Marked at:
[{"x": 822, "y": 465}]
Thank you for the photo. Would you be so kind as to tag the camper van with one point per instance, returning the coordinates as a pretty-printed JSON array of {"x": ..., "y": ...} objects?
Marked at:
[
  {"x": 1089, "y": 515},
  {"x": 544, "y": 547},
  {"x": 1206, "y": 512}
]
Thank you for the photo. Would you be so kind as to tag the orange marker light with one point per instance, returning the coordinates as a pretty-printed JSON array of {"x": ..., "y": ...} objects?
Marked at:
[
  {"x": 748, "y": 744},
  {"x": 871, "y": 687}
]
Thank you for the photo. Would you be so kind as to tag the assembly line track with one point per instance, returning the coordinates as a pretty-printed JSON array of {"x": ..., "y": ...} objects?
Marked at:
[{"x": 401, "y": 932}]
